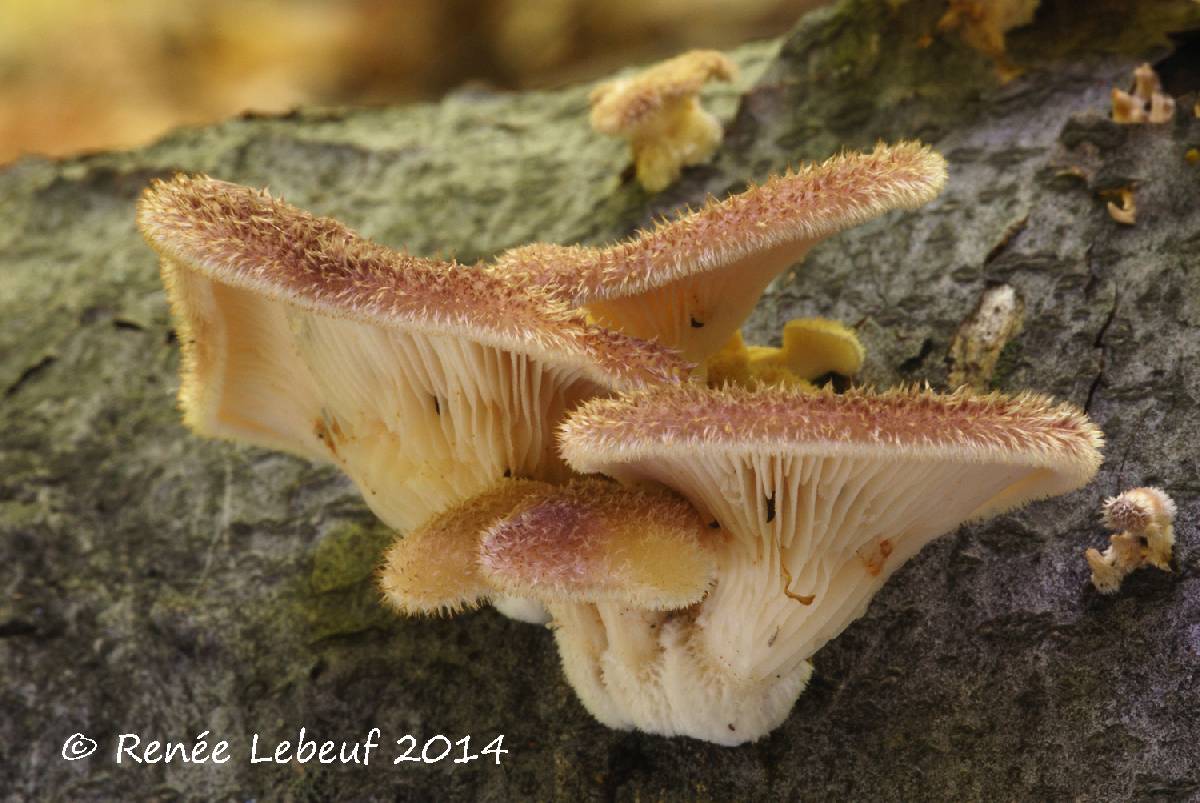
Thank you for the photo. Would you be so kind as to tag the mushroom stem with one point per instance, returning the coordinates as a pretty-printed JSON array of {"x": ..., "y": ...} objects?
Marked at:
[
  {"x": 582, "y": 641},
  {"x": 632, "y": 640},
  {"x": 654, "y": 673}
]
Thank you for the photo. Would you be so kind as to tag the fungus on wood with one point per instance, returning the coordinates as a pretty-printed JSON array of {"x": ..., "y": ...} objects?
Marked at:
[
  {"x": 300, "y": 335},
  {"x": 438, "y": 388},
  {"x": 1147, "y": 103},
  {"x": 710, "y": 267},
  {"x": 658, "y": 110},
  {"x": 812, "y": 348},
  {"x": 1144, "y": 522},
  {"x": 858, "y": 483},
  {"x": 596, "y": 541}
]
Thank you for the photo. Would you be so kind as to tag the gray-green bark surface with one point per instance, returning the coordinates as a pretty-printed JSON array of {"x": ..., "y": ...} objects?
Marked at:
[{"x": 158, "y": 584}]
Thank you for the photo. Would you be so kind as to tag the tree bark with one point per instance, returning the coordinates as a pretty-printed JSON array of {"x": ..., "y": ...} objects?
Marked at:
[{"x": 162, "y": 585}]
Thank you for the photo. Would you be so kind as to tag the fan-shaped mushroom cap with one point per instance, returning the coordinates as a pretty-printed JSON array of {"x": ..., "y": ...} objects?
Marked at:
[
  {"x": 435, "y": 568},
  {"x": 595, "y": 541},
  {"x": 819, "y": 499},
  {"x": 811, "y": 347},
  {"x": 425, "y": 381},
  {"x": 690, "y": 283}
]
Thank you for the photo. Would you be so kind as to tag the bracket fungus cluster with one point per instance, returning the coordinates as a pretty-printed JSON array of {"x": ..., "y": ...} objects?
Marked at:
[
  {"x": 540, "y": 431},
  {"x": 815, "y": 499},
  {"x": 424, "y": 381}
]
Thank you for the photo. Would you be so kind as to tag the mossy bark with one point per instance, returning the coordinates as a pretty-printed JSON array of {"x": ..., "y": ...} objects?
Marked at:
[{"x": 158, "y": 584}]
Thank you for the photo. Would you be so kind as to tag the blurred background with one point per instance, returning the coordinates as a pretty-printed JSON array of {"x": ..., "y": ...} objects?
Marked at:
[{"x": 93, "y": 74}]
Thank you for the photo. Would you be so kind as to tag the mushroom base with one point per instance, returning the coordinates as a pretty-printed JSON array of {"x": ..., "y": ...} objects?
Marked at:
[{"x": 649, "y": 671}]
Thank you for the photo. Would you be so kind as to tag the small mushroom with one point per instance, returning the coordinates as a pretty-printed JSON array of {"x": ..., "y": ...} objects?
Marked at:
[
  {"x": 812, "y": 347},
  {"x": 982, "y": 25},
  {"x": 1126, "y": 212},
  {"x": 607, "y": 561},
  {"x": 1147, "y": 104},
  {"x": 820, "y": 497},
  {"x": 1144, "y": 519},
  {"x": 435, "y": 568},
  {"x": 689, "y": 284},
  {"x": 596, "y": 541},
  {"x": 659, "y": 112},
  {"x": 425, "y": 381}
]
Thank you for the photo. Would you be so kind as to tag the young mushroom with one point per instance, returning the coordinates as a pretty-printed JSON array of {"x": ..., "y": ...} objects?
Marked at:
[
  {"x": 689, "y": 284},
  {"x": 1125, "y": 212},
  {"x": 1147, "y": 103},
  {"x": 983, "y": 24},
  {"x": 425, "y": 381},
  {"x": 435, "y": 568},
  {"x": 1144, "y": 520},
  {"x": 813, "y": 499},
  {"x": 596, "y": 541},
  {"x": 590, "y": 540},
  {"x": 659, "y": 112},
  {"x": 612, "y": 556}
]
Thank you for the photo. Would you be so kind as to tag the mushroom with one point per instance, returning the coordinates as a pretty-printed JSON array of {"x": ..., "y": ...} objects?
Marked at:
[
  {"x": 814, "y": 500},
  {"x": 1147, "y": 104},
  {"x": 1126, "y": 212},
  {"x": 609, "y": 558},
  {"x": 690, "y": 283},
  {"x": 425, "y": 381},
  {"x": 982, "y": 25},
  {"x": 1144, "y": 520},
  {"x": 435, "y": 568},
  {"x": 659, "y": 112},
  {"x": 596, "y": 541},
  {"x": 589, "y": 540}
]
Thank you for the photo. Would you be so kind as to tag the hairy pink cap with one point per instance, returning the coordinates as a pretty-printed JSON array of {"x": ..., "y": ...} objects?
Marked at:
[
  {"x": 596, "y": 541},
  {"x": 799, "y": 207},
  {"x": 244, "y": 238},
  {"x": 434, "y": 568},
  {"x": 689, "y": 284},
  {"x": 692, "y": 422}
]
